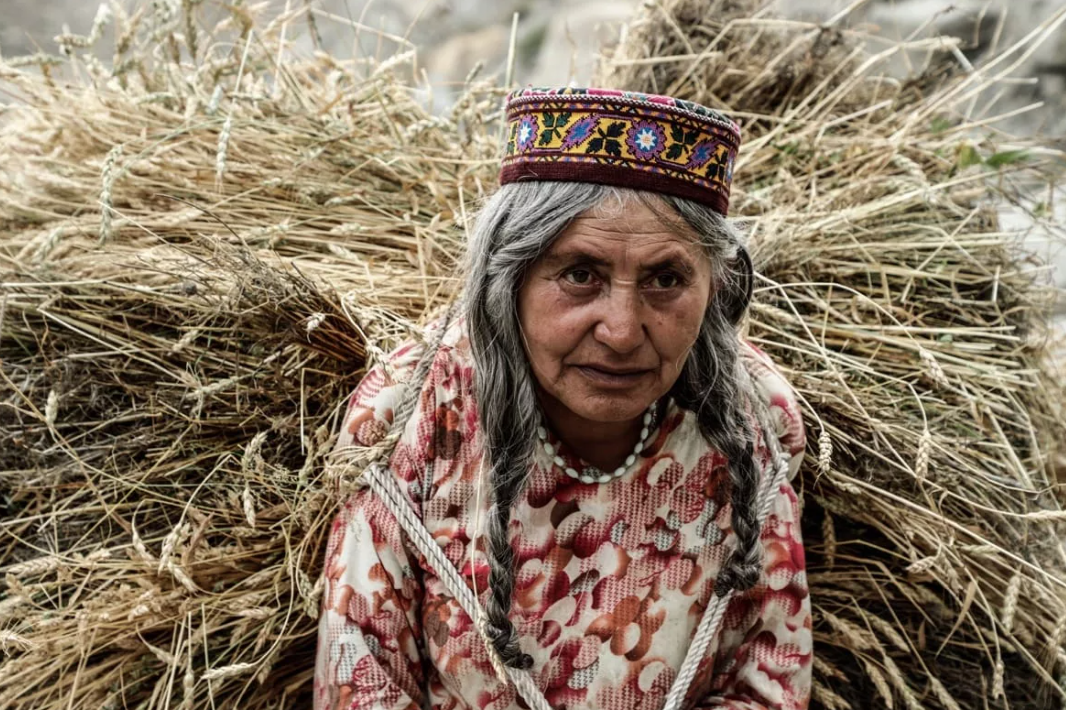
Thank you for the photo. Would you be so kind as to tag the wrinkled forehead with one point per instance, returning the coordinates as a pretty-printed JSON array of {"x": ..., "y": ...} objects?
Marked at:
[{"x": 641, "y": 225}]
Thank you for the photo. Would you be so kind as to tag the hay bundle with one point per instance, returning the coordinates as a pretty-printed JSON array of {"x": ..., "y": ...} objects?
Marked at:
[
  {"x": 194, "y": 249},
  {"x": 196, "y": 246},
  {"x": 913, "y": 329}
]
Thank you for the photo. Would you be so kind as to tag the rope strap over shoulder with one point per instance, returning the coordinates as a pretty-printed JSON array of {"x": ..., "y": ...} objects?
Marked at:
[{"x": 383, "y": 483}]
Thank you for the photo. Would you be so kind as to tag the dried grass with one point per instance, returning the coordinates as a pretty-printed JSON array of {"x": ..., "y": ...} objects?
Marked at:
[
  {"x": 195, "y": 261},
  {"x": 200, "y": 250},
  {"x": 914, "y": 329}
]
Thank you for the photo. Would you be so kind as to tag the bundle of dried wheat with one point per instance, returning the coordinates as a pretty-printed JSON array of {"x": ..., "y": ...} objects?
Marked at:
[
  {"x": 194, "y": 247},
  {"x": 915, "y": 330},
  {"x": 201, "y": 246}
]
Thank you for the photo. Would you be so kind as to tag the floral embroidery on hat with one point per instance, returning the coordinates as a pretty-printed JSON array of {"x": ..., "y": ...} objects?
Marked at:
[
  {"x": 701, "y": 154},
  {"x": 646, "y": 139},
  {"x": 623, "y": 138},
  {"x": 579, "y": 132},
  {"x": 527, "y": 132}
]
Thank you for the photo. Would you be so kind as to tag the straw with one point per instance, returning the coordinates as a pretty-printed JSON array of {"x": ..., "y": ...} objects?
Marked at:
[
  {"x": 178, "y": 337},
  {"x": 915, "y": 331}
]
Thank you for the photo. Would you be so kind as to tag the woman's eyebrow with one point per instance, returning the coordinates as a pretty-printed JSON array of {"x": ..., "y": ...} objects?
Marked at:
[
  {"x": 671, "y": 262},
  {"x": 574, "y": 257}
]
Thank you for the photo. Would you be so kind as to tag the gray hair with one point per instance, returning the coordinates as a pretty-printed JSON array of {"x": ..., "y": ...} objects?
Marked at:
[{"x": 514, "y": 228}]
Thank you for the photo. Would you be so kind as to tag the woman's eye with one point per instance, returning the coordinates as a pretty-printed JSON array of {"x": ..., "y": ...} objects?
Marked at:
[
  {"x": 579, "y": 277},
  {"x": 666, "y": 280}
]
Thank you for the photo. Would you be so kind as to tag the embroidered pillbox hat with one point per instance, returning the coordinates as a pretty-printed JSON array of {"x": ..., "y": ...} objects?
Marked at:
[{"x": 623, "y": 138}]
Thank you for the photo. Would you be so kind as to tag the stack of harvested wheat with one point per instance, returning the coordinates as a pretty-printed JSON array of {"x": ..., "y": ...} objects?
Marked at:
[
  {"x": 194, "y": 250},
  {"x": 913, "y": 329},
  {"x": 201, "y": 246}
]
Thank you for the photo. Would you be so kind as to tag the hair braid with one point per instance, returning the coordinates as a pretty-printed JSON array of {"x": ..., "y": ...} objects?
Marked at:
[
  {"x": 501, "y": 574},
  {"x": 722, "y": 421},
  {"x": 744, "y": 567},
  {"x": 715, "y": 387}
]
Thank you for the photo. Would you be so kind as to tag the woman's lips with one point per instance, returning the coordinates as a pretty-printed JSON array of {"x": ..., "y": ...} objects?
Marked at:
[{"x": 612, "y": 378}]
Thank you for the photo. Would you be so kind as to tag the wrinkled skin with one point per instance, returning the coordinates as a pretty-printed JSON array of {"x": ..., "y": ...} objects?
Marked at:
[{"x": 609, "y": 314}]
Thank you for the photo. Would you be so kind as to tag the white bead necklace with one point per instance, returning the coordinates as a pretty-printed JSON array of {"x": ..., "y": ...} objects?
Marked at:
[{"x": 601, "y": 477}]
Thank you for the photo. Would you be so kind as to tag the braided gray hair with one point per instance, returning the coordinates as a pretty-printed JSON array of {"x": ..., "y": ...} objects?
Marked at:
[{"x": 514, "y": 228}]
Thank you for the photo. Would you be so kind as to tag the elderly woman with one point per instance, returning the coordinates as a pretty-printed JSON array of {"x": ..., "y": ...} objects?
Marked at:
[{"x": 590, "y": 458}]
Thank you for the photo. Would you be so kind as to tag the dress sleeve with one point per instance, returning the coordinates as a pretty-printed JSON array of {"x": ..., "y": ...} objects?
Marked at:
[
  {"x": 372, "y": 405},
  {"x": 764, "y": 656},
  {"x": 369, "y": 634}
]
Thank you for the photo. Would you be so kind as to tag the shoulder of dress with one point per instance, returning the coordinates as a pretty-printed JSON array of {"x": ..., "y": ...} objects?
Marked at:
[
  {"x": 454, "y": 334},
  {"x": 778, "y": 395},
  {"x": 400, "y": 363},
  {"x": 454, "y": 355},
  {"x": 766, "y": 375}
]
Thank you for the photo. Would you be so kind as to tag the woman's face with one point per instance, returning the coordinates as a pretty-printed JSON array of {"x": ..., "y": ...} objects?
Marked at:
[{"x": 610, "y": 312}]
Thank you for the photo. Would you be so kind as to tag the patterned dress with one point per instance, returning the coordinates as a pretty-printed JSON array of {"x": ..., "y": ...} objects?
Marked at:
[{"x": 611, "y": 579}]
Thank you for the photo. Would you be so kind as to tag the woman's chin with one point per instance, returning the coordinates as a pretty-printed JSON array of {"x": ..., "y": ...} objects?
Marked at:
[{"x": 609, "y": 407}]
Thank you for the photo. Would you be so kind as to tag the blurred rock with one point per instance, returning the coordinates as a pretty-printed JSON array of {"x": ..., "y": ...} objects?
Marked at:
[
  {"x": 985, "y": 28},
  {"x": 572, "y": 38},
  {"x": 28, "y": 26},
  {"x": 451, "y": 60}
]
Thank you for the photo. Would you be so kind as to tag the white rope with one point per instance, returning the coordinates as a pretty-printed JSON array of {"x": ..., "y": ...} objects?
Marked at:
[{"x": 383, "y": 483}]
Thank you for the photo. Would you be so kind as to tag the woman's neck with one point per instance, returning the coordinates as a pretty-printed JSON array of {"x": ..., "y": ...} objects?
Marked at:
[{"x": 605, "y": 445}]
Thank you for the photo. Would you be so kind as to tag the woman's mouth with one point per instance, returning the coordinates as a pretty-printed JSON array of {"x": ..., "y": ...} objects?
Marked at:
[{"x": 611, "y": 377}]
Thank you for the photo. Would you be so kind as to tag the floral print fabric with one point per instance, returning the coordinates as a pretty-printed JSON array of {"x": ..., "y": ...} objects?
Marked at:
[{"x": 611, "y": 579}]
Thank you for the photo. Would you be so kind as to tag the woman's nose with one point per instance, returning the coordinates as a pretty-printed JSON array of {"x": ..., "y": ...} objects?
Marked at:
[{"x": 621, "y": 326}]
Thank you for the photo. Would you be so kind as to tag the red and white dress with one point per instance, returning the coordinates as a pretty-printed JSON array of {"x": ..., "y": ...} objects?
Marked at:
[{"x": 611, "y": 579}]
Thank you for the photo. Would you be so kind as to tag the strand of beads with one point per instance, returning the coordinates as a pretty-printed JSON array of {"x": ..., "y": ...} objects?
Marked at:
[{"x": 586, "y": 475}]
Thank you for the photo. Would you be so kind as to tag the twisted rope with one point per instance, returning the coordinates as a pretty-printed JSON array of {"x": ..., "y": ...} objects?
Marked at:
[{"x": 382, "y": 482}]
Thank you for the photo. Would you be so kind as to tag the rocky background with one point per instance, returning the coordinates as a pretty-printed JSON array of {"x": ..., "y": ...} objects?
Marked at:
[
  {"x": 556, "y": 38},
  {"x": 556, "y": 42}
]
